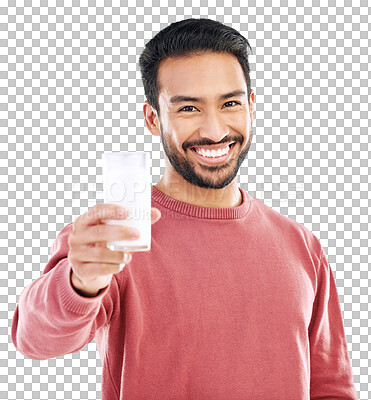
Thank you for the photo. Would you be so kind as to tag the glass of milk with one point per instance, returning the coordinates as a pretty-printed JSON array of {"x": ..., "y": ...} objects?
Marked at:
[{"x": 127, "y": 182}]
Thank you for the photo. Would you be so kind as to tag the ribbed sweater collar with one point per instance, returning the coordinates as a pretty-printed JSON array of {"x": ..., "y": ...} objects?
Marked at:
[{"x": 202, "y": 212}]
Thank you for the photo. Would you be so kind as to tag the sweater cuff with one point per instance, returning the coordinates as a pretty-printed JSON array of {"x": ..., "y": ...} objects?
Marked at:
[{"x": 69, "y": 298}]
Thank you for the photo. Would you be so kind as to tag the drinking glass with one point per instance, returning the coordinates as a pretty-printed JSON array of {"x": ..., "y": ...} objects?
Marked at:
[{"x": 127, "y": 182}]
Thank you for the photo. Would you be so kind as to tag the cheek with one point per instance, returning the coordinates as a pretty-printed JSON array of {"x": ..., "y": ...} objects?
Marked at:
[
  {"x": 180, "y": 130},
  {"x": 240, "y": 123}
]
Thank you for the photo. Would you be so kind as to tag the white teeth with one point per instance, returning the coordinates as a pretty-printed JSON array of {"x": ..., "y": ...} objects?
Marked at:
[{"x": 213, "y": 153}]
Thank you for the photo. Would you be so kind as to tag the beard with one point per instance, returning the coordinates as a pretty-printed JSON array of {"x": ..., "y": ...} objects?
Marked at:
[{"x": 213, "y": 176}]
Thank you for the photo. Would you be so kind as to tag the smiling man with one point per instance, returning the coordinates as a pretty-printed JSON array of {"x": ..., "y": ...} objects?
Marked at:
[
  {"x": 234, "y": 300},
  {"x": 205, "y": 127}
]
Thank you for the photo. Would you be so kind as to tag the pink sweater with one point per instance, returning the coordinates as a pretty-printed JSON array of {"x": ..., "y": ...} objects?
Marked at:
[{"x": 229, "y": 303}]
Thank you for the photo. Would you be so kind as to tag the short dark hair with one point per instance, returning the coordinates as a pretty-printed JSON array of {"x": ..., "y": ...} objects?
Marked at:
[{"x": 190, "y": 37}]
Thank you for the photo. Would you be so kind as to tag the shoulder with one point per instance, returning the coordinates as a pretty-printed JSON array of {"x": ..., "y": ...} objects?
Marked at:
[{"x": 287, "y": 228}]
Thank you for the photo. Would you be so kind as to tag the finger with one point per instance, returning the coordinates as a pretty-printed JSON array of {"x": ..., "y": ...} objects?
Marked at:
[
  {"x": 155, "y": 215},
  {"x": 100, "y": 212},
  {"x": 101, "y": 255},
  {"x": 105, "y": 233}
]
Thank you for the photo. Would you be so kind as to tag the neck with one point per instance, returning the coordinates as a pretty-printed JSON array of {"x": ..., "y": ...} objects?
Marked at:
[{"x": 186, "y": 192}]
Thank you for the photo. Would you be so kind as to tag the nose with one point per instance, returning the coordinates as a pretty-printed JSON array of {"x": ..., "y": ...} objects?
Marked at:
[{"x": 213, "y": 127}]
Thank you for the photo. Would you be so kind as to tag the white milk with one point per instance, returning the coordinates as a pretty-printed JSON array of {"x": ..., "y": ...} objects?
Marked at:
[{"x": 127, "y": 182}]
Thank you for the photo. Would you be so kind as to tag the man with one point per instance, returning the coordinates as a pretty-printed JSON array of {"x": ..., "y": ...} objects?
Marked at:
[{"x": 234, "y": 300}]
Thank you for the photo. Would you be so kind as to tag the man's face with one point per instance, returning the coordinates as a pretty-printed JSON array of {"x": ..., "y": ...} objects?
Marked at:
[{"x": 203, "y": 102}]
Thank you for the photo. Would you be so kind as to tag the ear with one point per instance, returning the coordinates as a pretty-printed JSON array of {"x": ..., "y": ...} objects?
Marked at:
[
  {"x": 151, "y": 118},
  {"x": 252, "y": 106}
]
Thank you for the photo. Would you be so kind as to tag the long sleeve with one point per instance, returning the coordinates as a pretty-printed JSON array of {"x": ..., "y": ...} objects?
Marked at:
[
  {"x": 51, "y": 318},
  {"x": 331, "y": 371}
]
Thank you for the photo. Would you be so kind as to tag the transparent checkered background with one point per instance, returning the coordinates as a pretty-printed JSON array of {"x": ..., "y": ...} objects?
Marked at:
[{"x": 70, "y": 89}]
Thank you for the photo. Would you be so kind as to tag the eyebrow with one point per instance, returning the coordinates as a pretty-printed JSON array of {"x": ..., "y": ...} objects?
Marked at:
[{"x": 181, "y": 98}]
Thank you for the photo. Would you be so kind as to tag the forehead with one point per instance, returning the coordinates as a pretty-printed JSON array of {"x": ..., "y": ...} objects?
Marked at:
[{"x": 206, "y": 75}]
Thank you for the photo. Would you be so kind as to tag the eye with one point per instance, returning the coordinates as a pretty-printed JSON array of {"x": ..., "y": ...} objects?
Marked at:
[
  {"x": 230, "y": 102},
  {"x": 184, "y": 108}
]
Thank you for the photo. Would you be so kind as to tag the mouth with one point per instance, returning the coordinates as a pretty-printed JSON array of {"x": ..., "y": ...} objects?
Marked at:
[{"x": 213, "y": 157}]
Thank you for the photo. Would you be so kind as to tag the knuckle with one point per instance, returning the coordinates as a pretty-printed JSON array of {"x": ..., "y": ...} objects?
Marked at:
[
  {"x": 71, "y": 255},
  {"x": 101, "y": 211},
  {"x": 90, "y": 215},
  {"x": 70, "y": 240},
  {"x": 75, "y": 264},
  {"x": 99, "y": 231},
  {"x": 74, "y": 225},
  {"x": 74, "y": 261},
  {"x": 87, "y": 218}
]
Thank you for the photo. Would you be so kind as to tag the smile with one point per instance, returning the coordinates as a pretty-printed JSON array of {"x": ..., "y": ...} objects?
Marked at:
[{"x": 218, "y": 156}]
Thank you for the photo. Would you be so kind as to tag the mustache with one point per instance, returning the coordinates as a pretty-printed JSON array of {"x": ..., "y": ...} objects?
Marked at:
[{"x": 207, "y": 142}]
